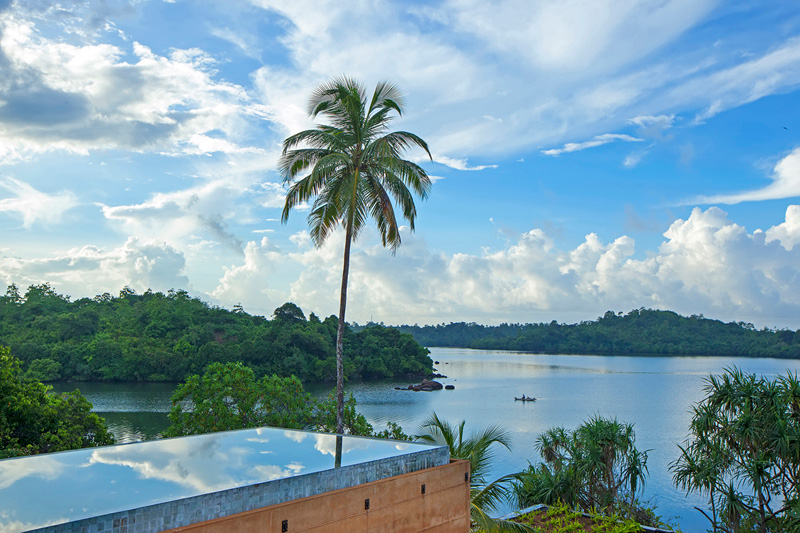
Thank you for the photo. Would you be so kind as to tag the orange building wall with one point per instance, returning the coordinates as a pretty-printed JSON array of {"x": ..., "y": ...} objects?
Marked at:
[{"x": 396, "y": 504}]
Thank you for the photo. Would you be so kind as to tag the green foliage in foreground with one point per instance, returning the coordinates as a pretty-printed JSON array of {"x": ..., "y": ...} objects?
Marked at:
[
  {"x": 642, "y": 331},
  {"x": 595, "y": 468},
  {"x": 560, "y": 518},
  {"x": 34, "y": 420},
  {"x": 228, "y": 397},
  {"x": 744, "y": 453},
  {"x": 168, "y": 337},
  {"x": 478, "y": 448}
]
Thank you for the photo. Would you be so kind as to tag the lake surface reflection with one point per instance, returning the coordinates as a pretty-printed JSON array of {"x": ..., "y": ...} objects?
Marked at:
[{"x": 654, "y": 393}]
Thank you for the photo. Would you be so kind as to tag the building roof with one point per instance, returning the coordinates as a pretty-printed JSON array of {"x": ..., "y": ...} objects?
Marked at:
[{"x": 63, "y": 487}]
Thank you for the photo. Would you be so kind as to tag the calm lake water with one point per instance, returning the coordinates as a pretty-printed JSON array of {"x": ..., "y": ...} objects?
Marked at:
[{"x": 653, "y": 393}]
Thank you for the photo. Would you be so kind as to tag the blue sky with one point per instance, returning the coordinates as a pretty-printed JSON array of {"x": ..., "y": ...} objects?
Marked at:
[{"x": 588, "y": 155}]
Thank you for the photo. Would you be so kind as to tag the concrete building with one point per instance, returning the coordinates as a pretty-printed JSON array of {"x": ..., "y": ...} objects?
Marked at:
[{"x": 265, "y": 479}]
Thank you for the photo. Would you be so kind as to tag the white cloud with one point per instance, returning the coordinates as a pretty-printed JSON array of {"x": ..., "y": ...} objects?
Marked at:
[
  {"x": 706, "y": 264},
  {"x": 647, "y": 122},
  {"x": 788, "y": 232},
  {"x": 576, "y": 35},
  {"x": 58, "y": 95},
  {"x": 199, "y": 144},
  {"x": 598, "y": 140},
  {"x": 772, "y": 73},
  {"x": 248, "y": 44},
  {"x": 249, "y": 283},
  {"x": 489, "y": 78},
  {"x": 631, "y": 160},
  {"x": 785, "y": 184},
  {"x": 458, "y": 164},
  {"x": 89, "y": 270},
  {"x": 271, "y": 195},
  {"x": 33, "y": 205},
  {"x": 482, "y": 82},
  {"x": 179, "y": 216}
]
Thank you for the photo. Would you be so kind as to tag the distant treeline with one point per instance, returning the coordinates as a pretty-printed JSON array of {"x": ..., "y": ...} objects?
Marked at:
[
  {"x": 642, "y": 331},
  {"x": 168, "y": 337}
]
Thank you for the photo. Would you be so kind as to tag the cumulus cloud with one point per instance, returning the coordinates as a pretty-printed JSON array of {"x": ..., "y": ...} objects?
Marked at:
[
  {"x": 787, "y": 233},
  {"x": 785, "y": 184},
  {"x": 598, "y": 140},
  {"x": 705, "y": 264},
  {"x": 249, "y": 283},
  {"x": 91, "y": 270},
  {"x": 34, "y": 205}
]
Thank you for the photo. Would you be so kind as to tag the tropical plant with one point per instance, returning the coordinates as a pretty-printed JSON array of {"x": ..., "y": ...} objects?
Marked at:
[
  {"x": 744, "y": 453},
  {"x": 228, "y": 397},
  {"x": 478, "y": 449},
  {"x": 34, "y": 420},
  {"x": 597, "y": 467},
  {"x": 354, "y": 170}
]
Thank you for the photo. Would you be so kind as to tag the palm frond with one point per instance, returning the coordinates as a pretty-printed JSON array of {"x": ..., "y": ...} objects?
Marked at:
[
  {"x": 382, "y": 211},
  {"x": 386, "y": 95}
]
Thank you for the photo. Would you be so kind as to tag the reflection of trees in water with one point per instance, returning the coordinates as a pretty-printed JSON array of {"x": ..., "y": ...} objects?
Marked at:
[
  {"x": 136, "y": 427},
  {"x": 123, "y": 397}
]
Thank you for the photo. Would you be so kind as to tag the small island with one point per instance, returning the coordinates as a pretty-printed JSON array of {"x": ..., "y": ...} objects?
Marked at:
[{"x": 639, "y": 332}]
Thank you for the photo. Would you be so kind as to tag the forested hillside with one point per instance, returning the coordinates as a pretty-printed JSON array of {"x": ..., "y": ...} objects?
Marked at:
[
  {"x": 155, "y": 336},
  {"x": 642, "y": 331}
]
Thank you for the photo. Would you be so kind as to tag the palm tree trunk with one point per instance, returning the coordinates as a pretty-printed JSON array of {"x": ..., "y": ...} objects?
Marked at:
[{"x": 340, "y": 332}]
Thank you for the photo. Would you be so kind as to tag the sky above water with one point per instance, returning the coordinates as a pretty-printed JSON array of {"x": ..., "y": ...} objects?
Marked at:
[{"x": 588, "y": 155}]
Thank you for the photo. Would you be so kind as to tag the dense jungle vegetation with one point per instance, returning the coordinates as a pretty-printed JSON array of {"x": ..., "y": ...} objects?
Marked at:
[
  {"x": 168, "y": 337},
  {"x": 641, "y": 331}
]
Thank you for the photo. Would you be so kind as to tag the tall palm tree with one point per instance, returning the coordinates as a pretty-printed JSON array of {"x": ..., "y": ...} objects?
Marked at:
[
  {"x": 478, "y": 450},
  {"x": 354, "y": 169}
]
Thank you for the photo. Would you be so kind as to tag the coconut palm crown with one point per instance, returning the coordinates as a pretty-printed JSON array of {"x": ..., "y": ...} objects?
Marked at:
[{"x": 352, "y": 167}]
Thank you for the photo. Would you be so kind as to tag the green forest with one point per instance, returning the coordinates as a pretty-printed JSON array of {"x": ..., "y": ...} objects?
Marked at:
[
  {"x": 169, "y": 337},
  {"x": 641, "y": 332}
]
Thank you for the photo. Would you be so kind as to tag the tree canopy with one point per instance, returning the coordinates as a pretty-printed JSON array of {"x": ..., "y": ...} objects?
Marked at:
[
  {"x": 34, "y": 420},
  {"x": 169, "y": 337},
  {"x": 228, "y": 396},
  {"x": 641, "y": 331}
]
